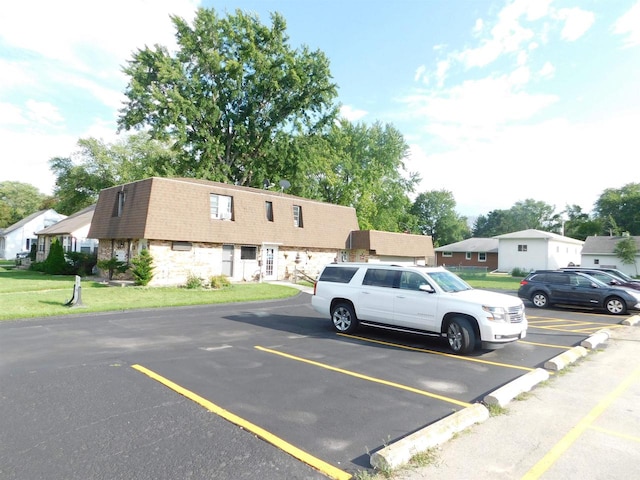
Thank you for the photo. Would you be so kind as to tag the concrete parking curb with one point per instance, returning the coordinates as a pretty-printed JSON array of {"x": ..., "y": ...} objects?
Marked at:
[
  {"x": 570, "y": 356},
  {"x": 503, "y": 395},
  {"x": 596, "y": 339},
  {"x": 435, "y": 434},
  {"x": 633, "y": 320}
]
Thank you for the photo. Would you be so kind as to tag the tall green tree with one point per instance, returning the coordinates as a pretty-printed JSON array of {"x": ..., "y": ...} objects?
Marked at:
[
  {"x": 435, "y": 211},
  {"x": 17, "y": 201},
  {"x": 580, "y": 225},
  {"x": 627, "y": 250},
  {"x": 620, "y": 207},
  {"x": 523, "y": 215},
  {"x": 363, "y": 167},
  {"x": 98, "y": 165},
  {"x": 230, "y": 88}
]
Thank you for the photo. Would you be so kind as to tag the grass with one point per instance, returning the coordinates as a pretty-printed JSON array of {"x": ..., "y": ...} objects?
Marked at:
[
  {"x": 493, "y": 282},
  {"x": 26, "y": 294}
]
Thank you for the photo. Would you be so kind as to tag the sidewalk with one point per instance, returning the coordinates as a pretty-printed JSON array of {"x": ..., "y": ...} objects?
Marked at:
[{"x": 582, "y": 423}]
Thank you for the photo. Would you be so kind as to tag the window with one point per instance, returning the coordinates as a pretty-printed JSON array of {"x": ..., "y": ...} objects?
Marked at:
[
  {"x": 120, "y": 203},
  {"x": 338, "y": 275},
  {"x": 378, "y": 277},
  {"x": 411, "y": 281},
  {"x": 447, "y": 254},
  {"x": 297, "y": 216},
  {"x": 181, "y": 246},
  {"x": 596, "y": 261},
  {"x": 482, "y": 256},
  {"x": 248, "y": 252},
  {"x": 269, "y": 210},
  {"x": 467, "y": 255},
  {"x": 221, "y": 207},
  {"x": 522, "y": 248}
]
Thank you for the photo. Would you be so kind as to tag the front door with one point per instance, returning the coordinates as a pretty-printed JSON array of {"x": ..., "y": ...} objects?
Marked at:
[
  {"x": 270, "y": 267},
  {"x": 227, "y": 260}
]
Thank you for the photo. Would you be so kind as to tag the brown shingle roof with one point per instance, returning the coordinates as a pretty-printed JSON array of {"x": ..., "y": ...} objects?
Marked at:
[
  {"x": 179, "y": 210},
  {"x": 392, "y": 244}
]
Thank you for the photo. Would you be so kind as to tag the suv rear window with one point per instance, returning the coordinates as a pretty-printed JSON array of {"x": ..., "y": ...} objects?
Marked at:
[{"x": 338, "y": 274}]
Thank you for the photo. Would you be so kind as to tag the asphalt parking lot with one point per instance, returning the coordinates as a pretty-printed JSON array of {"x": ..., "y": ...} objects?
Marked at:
[{"x": 238, "y": 390}]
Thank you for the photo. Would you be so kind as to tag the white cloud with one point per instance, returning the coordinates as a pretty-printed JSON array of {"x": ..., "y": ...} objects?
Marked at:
[
  {"x": 547, "y": 70},
  {"x": 420, "y": 76},
  {"x": 11, "y": 115},
  {"x": 629, "y": 25},
  {"x": 352, "y": 114},
  {"x": 43, "y": 113},
  {"x": 539, "y": 161},
  {"x": 577, "y": 22}
]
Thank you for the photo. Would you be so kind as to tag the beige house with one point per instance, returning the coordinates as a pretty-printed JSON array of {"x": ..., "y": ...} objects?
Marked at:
[
  {"x": 71, "y": 232},
  {"x": 202, "y": 228}
]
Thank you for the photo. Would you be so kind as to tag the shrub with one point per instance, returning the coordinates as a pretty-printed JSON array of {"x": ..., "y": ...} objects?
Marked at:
[
  {"x": 518, "y": 272},
  {"x": 113, "y": 265},
  {"x": 82, "y": 263},
  {"x": 56, "y": 264},
  {"x": 193, "y": 281},
  {"x": 142, "y": 270},
  {"x": 219, "y": 281}
]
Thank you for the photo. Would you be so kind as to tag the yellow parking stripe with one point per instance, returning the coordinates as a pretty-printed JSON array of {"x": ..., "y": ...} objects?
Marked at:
[
  {"x": 301, "y": 455},
  {"x": 366, "y": 377},
  {"x": 554, "y": 454},
  {"x": 550, "y": 345},
  {"x": 615, "y": 434},
  {"x": 435, "y": 352}
]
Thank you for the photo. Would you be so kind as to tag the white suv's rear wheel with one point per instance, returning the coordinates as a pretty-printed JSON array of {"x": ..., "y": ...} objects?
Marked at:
[{"x": 344, "y": 318}]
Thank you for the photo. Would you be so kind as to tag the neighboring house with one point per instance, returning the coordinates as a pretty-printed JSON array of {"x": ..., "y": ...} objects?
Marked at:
[
  {"x": 389, "y": 247},
  {"x": 72, "y": 233},
  {"x": 535, "y": 250},
  {"x": 472, "y": 252},
  {"x": 599, "y": 252},
  {"x": 202, "y": 228},
  {"x": 21, "y": 235}
]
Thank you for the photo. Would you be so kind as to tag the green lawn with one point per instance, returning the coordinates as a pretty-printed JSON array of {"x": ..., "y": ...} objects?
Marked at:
[{"x": 26, "y": 294}]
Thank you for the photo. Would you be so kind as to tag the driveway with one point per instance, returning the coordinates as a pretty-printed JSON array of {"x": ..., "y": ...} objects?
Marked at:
[{"x": 116, "y": 395}]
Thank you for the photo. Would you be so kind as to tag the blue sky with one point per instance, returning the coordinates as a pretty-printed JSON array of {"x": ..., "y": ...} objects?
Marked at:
[{"x": 500, "y": 101}]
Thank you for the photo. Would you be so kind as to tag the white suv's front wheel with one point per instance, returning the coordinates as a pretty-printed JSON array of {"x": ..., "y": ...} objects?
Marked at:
[
  {"x": 344, "y": 318},
  {"x": 460, "y": 335}
]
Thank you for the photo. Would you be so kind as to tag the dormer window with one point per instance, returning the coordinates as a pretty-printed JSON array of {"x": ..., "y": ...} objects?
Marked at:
[
  {"x": 297, "y": 216},
  {"x": 221, "y": 207}
]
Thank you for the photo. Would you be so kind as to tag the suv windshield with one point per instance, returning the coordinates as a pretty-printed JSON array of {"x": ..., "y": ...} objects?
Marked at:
[{"x": 449, "y": 282}]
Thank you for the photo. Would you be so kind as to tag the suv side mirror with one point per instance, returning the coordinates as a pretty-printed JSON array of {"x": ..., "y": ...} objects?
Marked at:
[{"x": 427, "y": 288}]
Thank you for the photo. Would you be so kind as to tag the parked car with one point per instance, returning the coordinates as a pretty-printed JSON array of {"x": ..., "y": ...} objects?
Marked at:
[
  {"x": 606, "y": 277},
  {"x": 423, "y": 300},
  {"x": 561, "y": 287},
  {"x": 611, "y": 271}
]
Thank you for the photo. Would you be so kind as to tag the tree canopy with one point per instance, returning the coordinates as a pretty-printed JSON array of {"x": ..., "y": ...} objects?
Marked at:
[
  {"x": 230, "y": 88},
  {"x": 436, "y": 216},
  {"x": 621, "y": 208},
  {"x": 98, "y": 165},
  {"x": 19, "y": 200}
]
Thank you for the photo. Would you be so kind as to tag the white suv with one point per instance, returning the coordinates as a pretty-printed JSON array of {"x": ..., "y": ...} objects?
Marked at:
[{"x": 425, "y": 300}]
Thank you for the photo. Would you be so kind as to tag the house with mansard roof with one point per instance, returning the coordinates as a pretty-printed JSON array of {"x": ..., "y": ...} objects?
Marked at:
[{"x": 202, "y": 228}]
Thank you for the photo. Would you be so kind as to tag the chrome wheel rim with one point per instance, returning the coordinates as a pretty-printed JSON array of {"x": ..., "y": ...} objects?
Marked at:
[
  {"x": 454, "y": 335},
  {"x": 341, "y": 319},
  {"x": 614, "y": 306}
]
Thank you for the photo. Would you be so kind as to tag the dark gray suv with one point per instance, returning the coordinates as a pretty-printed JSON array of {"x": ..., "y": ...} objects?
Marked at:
[{"x": 557, "y": 287}]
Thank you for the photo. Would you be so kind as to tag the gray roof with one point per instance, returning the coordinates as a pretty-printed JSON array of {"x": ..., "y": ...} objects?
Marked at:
[
  {"x": 24, "y": 221},
  {"x": 604, "y": 245},
  {"x": 487, "y": 245},
  {"x": 71, "y": 223},
  {"x": 533, "y": 234}
]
